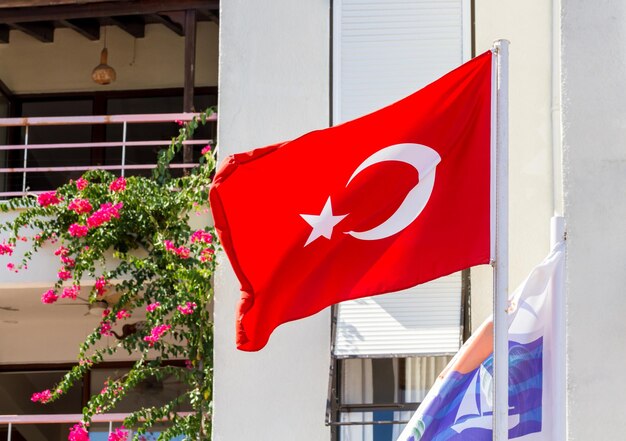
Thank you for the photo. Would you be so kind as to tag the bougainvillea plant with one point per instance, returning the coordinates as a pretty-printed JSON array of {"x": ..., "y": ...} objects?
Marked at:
[{"x": 131, "y": 237}]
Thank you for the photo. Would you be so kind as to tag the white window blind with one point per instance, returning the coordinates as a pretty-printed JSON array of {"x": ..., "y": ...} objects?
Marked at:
[
  {"x": 423, "y": 320},
  {"x": 384, "y": 50}
]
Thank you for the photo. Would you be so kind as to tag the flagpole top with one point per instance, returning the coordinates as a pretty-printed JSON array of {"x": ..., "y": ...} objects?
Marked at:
[{"x": 500, "y": 43}]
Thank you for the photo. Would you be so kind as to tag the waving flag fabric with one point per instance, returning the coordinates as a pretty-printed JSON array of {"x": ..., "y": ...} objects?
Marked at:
[
  {"x": 379, "y": 204},
  {"x": 459, "y": 406}
]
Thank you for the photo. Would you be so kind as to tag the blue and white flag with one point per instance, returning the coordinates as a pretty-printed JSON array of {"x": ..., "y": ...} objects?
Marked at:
[{"x": 459, "y": 406}]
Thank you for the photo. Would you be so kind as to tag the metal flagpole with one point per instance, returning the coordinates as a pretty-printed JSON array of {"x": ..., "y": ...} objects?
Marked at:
[
  {"x": 559, "y": 402},
  {"x": 501, "y": 258}
]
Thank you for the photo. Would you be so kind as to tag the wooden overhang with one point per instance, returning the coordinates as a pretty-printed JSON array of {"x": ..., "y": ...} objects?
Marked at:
[{"x": 39, "y": 18}]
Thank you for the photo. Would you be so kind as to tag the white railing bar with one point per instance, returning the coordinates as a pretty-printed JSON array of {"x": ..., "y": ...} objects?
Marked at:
[
  {"x": 92, "y": 167},
  {"x": 25, "y": 158},
  {"x": 124, "y": 129},
  {"x": 76, "y": 145},
  {"x": 9, "y": 432},
  {"x": 110, "y": 427},
  {"x": 99, "y": 119},
  {"x": 67, "y": 418},
  {"x": 8, "y": 194}
]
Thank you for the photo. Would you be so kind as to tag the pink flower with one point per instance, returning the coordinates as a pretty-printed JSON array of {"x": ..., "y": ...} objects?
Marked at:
[
  {"x": 105, "y": 328},
  {"x": 100, "y": 285},
  {"x": 118, "y": 185},
  {"x": 48, "y": 198},
  {"x": 156, "y": 333},
  {"x": 201, "y": 236},
  {"x": 188, "y": 364},
  {"x": 71, "y": 292},
  {"x": 122, "y": 314},
  {"x": 78, "y": 433},
  {"x": 182, "y": 252},
  {"x": 11, "y": 267},
  {"x": 61, "y": 251},
  {"x": 104, "y": 214},
  {"x": 77, "y": 230},
  {"x": 42, "y": 397},
  {"x": 81, "y": 183},
  {"x": 206, "y": 255},
  {"x": 105, "y": 313},
  {"x": 153, "y": 306},
  {"x": 187, "y": 309},
  {"x": 68, "y": 261},
  {"x": 80, "y": 206},
  {"x": 118, "y": 435},
  {"x": 64, "y": 274},
  {"x": 206, "y": 149},
  {"x": 179, "y": 122},
  {"x": 6, "y": 248},
  {"x": 49, "y": 297}
]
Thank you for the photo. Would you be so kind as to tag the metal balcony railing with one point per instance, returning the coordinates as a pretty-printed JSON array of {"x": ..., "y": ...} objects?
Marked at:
[
  {"x": 27, "y": 124},
  {"x": 11, "y": 421}
]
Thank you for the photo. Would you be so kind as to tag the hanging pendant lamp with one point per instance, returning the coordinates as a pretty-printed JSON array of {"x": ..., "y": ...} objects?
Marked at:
[{"x": 103, "y": 73}]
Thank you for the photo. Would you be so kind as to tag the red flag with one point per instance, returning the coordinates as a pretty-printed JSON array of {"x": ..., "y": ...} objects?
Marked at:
[{"x": 382, "y": 203}]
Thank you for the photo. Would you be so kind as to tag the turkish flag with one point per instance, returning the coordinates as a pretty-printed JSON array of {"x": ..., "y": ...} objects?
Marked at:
[{"x": 379, "y": 204}]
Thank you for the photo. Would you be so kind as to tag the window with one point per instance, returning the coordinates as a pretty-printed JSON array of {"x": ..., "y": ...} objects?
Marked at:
[
  {"x": 17, "y": 384},
  {"x": 388, "y": 350},
  {"x": 375, "y": 397}
]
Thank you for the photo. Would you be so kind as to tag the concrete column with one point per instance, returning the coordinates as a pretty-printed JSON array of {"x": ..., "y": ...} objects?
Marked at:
[{"x": 273, "y": 86}]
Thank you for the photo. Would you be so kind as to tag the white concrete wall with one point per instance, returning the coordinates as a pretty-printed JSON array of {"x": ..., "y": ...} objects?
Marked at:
[
  {"x": 153, "y": 62},
  {"x": 274, "y": 85},
  {"x": 594, "y": 136},
  {"x": 528, "y": 26},
  {"x": 55, "y": 339}
]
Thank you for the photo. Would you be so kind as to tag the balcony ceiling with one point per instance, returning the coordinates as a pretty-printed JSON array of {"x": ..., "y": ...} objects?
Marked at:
[{"x": 39, "y": 18}]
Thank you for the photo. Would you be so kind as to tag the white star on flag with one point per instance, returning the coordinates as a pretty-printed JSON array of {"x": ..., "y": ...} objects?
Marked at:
[{"x": 323, "y": 223}]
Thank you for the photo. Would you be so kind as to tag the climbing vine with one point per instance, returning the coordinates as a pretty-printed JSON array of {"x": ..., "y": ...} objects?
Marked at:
[{"x": 130, "y": 239}]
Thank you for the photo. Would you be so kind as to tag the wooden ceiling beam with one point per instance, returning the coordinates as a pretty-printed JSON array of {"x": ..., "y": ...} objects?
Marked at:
[
  {"x": 88, "y": 28},
  {"x": 4, "y": 34},
  {"x": 38, "y": 3},
  {"x": 133, "y": 25},
  {"x": 108, "y": 9},
  {"x": 210, "y": 15},
  {"x": 41, "y": 30},
  {"x": 4, "y": 90},
  {"x": 169, "y": 23}
]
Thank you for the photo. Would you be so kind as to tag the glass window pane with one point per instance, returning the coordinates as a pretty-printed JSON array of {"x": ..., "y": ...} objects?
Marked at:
[
  {"x": 149, "y": 392},
  {"x": 152, "y": 131},
  {"x": 52, "y": 135},
  {"x": 388, "y": 380},
  {"x": 16, "y": 388}
]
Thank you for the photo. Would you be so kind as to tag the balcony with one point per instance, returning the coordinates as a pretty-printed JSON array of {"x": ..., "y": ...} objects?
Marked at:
[
  {"x": 56, "y": 426},
  {"x": 43, "y": 153},
  {"x": 52, "y": 150}
]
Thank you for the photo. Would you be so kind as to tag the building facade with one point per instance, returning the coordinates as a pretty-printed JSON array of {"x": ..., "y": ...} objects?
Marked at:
[
  {"x": 565, "y": 158},
  {"x": 280, "y": 68}
]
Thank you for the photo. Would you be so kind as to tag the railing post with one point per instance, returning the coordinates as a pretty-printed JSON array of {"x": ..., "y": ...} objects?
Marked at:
[
  {"x": 125, "y": 126},
  {"x": 25, "y": 158},
  {"x": 9, "y": 432}
]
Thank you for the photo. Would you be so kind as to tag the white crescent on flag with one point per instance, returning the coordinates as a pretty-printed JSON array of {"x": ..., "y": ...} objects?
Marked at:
[{"x": 424, "y": 160}]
